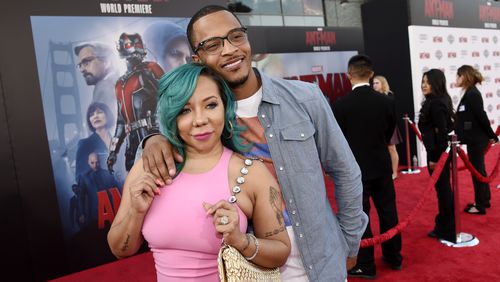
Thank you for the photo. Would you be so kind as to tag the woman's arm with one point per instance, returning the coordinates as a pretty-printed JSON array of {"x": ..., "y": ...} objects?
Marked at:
[
  {"x": 440, "y": 117},
  {"x": 266, "y": 213},
  {"x": 476, "y": 106},
  {"x": 124, "y": 236},
  {"x": 268, "y": 221}
]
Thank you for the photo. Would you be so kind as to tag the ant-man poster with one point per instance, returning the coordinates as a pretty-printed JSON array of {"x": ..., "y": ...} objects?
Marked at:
[{"x": 99, "y": 80}]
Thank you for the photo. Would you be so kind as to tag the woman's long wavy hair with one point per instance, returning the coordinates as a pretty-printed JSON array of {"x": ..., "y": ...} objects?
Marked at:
[{"x": 176, "y": 88}]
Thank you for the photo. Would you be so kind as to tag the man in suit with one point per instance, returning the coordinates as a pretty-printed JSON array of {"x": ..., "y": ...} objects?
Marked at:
[{"x": 367, "y": 119}]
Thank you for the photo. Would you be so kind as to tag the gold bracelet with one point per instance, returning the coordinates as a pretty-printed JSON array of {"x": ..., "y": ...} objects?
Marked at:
[{"x": 256, "y": 247}]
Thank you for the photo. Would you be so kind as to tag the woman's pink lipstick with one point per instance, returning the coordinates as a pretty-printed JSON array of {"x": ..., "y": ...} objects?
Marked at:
[{"x": 202, "y": 136}]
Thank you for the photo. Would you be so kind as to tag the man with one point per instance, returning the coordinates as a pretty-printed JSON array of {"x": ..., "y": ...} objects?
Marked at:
[
  {"x": 167, "y": 42},
  {"x": 94, "y": 187},
  {"x": 95, "y": 64},
  {"x": 291, "y": 122},
  {"x": 137, "y": 95},
  {"x": 367, "y": 119},
  {"x": 99, "y": 196}
]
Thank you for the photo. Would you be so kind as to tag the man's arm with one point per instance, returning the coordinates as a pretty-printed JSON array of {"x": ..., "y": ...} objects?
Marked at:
[
  {"x": 340, "y": 164},
  {"x": 158, "y": 157}
]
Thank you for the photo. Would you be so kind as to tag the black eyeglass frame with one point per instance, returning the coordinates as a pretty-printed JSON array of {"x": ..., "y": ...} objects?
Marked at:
[{"x": 201, "y": 44}]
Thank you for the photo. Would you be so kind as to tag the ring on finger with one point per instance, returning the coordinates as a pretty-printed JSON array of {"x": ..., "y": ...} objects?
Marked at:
[{"x": 224, "y": 220}]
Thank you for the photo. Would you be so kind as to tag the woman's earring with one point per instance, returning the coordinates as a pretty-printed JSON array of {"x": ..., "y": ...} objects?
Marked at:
[{"x": 230, "y": 130}]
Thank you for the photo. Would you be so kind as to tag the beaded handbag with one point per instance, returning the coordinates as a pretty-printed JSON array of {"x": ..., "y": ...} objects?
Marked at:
[{"x": 234, "y": 267}]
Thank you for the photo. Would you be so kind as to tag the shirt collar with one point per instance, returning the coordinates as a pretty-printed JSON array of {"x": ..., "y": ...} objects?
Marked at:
[
  {"x": 268, "y": 92},
  {"x": 360, "y": 84}
]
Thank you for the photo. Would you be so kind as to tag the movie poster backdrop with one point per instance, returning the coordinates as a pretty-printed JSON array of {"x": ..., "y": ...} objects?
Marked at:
[{"x": 97, "y": 76}]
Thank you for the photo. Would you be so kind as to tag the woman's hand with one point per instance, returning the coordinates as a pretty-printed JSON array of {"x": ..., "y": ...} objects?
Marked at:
[
  {"x": 158, "y": 158},
  {"x": 143, "y": 190},
  {"x": 227, "y": 222}
]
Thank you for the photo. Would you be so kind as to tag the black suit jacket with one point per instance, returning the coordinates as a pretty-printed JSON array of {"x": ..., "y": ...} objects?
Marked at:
[
  {"x": 472, "y": 124},
  {"x": 367, "y": 119}
]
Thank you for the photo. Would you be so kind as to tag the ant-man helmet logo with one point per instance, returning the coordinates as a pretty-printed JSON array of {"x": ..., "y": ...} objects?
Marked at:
[{"x": 130, "y": 46}]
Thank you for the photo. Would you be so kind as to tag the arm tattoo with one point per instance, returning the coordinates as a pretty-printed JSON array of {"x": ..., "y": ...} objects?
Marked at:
[
  {"x": 125, "y": 244},
  {"x": 275, "y": 231},
  {"x": 274, "y": 200}
]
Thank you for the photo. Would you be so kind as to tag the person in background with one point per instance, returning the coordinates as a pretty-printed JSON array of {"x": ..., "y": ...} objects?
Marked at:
[
  {"x": 292, "y": 122},
  {"x": 168, "y": 42},
  {"x": 381, "y": 85},
  {"x": 435, "y": 122},
  {"x": 96, "y": 65},
  {"x": 473, "y": 129},
  {"x": 367, "y": 119},
  {"x": 99, "y": 121},
  {"x": 214, "y": 194}
]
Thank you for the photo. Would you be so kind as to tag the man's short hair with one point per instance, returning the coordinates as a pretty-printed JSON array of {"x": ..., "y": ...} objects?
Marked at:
[
  {"x": 100, "y": 50},
  {"x": 360, "y": 66},
  {"x": 207, "y": 10}
]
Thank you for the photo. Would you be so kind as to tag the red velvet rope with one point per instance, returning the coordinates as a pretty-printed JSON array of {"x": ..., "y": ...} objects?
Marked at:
[
  {"x": 368, "y": 242},
  {"x": 497, "y": 132},
  {"x": 476, "y": 173},
  {"x": 415, "y": 129}
]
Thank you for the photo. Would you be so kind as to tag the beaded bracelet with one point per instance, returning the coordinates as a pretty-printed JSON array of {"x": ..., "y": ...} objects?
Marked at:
[
  {"x": 256, "y": 247},
  {"x": 247, "y": 236}
]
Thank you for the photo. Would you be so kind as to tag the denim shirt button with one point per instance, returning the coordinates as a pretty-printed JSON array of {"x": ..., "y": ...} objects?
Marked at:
[
  {"x": 302, "y": 135},
  {"x": 294, "y": 212},
  {"x": 281, "y": 168},
  {"x": 271, "y": 135},
  {"x": 297, "y": 224},
  {"x": 263, "y": 115},
  {"x": 268, "y": 125},
  {"x": 290, "y": 201},
  {"x": 301, "y": 235},
  {"x": 310, "y": 267}
]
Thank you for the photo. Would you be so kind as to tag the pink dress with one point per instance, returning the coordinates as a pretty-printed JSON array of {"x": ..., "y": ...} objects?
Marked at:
[{"x": 180, "y": 234}]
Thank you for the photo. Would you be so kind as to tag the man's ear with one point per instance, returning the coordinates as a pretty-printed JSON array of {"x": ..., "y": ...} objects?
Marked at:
[
  {"x": 196, "y": 58},
  {"x": 349, "y": 76},
  {"x": 371, "y": 74}
]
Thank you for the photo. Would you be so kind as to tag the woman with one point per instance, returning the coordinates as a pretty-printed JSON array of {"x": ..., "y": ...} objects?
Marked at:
[
  {"x": 473, "y": 128},
  {"x": 435, "y": 122},
  {"x": 381, "y": 85},
  {"x": 99, "y": 121},
  {"x": 185, "y": 222}
]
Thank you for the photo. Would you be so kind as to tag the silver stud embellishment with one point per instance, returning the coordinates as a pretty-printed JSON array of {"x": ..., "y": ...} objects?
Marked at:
[{"x": 236, "y": 189}]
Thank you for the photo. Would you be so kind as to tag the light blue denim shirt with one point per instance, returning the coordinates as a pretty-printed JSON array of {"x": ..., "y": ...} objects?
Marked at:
[{"x": 304, "y": 137}]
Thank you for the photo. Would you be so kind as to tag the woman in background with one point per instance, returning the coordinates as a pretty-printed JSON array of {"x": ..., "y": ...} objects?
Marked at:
[
  {"x": 473, "y": 128},
  {"x": 213, "y": 195},
  {"x": 381, "y": 85},
  {"x": 435, "y": 122},
  {"x": 99, "y": 120}
]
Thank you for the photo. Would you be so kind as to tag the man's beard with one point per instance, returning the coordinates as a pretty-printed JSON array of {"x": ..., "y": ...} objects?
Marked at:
[
  {"x": 91, "y": 79},
  {"x": 237, "y": 83}
]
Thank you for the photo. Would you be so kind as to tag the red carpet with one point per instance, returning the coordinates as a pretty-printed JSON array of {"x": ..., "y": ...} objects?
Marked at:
[{"x": 425, "y": 259}]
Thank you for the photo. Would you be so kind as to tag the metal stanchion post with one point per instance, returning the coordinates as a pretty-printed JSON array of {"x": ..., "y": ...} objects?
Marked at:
[
  {"x": 411, "y": 169},
  {"x": 463, "y": 239}
]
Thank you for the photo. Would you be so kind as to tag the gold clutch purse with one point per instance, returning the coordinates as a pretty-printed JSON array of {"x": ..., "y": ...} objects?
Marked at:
[{"x": 234, "y": 267}]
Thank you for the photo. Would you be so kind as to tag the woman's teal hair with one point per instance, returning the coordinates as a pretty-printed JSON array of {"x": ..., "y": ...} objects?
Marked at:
[{"x": 176, "y": 88}]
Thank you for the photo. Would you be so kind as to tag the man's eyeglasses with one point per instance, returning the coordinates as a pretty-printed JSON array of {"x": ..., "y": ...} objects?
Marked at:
[
  {"x": 214, "y": 45},
  {"x": 86, "y": 61}
]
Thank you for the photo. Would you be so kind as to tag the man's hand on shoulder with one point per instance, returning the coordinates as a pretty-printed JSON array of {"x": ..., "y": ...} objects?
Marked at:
[{"x": 158, "y": 158}]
